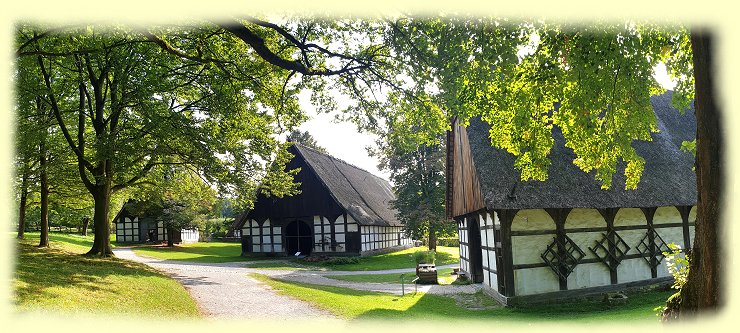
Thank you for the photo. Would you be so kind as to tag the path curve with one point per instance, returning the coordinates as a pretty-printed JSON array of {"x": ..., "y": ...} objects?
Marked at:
[{"x": 225, "y": 290}]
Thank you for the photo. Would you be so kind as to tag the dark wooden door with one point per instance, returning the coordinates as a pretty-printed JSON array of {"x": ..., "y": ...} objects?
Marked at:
[
  {"x": 298, "y": 238},
  {"x": 474, "y": 250}
]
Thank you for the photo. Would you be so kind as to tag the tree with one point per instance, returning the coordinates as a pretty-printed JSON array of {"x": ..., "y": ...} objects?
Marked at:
[
  {"x": 306, "y": 139},
  {"x": 512, "y": 73},
  {"x": 180, "y": 199},
  {"x": 210, "y": 96},
  {"x": 137, "y": 108},
  {"x": 418, "y": 174}
]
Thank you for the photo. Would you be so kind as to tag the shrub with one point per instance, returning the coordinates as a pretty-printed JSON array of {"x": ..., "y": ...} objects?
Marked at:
[
  {"x": 425, "y": 257},
  {"x": 677, "y": 263},
  {"x": 448, "y": 241},
  {"x": 342, "y": 261}
]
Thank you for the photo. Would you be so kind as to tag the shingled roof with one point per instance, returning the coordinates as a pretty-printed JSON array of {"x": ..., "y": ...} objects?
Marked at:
[
  {"x": 366, "y": 197},
  {"x": 668, "y": 178}
]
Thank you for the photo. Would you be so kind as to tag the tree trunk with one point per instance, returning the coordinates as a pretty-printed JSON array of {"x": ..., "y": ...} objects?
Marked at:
[
  {"x": 170, "y": 237},
  {"x": 85, "y": 224},
  {"x": 44, "y": 236},
  {"x": 701, "y": 293},
  {"x": 22, "y": 206},
  {"x": 432, "y": 237},
  {"x": 101, "y": 243}
]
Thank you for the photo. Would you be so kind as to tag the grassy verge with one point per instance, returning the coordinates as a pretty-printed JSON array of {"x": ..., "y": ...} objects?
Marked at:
[
  {"x": 393, "y": 260},
  {"x": 204, "y": 252},
  {"x": 354, "y": 304},
  {"x": 59, "y": 279},
  {"x": 443, "y": 277}
]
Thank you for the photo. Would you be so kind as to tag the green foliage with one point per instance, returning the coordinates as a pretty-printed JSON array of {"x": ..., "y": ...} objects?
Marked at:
[
  {"x": 425, "y": 257},
  {"x": 417, "y": 171},
  {"x": 305, "y": 139},
  {"x": 514, "y": 73},
  {"x": 677, "y": 263},
  {"x": 338, "y": 261},
  {"x": 689, "y": 147},
  {"x": 448, "y": 241}
]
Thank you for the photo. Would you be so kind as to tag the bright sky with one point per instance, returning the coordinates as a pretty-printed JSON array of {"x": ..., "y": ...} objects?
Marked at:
[{"x": 343, "y": 141}]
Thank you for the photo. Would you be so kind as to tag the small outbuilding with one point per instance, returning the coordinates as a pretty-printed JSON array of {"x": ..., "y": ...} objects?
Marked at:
[
  {"x": 131, "y": 228},
  {"x": 565, "y": 237},
  {"x": 341, "y": 210}
]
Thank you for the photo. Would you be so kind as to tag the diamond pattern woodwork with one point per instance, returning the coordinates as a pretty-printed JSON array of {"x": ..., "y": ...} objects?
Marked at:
[
  {"x": 562, "y": 256},
  {"x": 601, "y": 249},
  {"x": 652, "y": 252}
]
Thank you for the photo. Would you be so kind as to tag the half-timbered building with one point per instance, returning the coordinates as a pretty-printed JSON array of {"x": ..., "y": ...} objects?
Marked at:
[
  {"x": 139, "y": 228},
  {"x": 341, "y": 209},
  {"x": 566, "y": 237}
]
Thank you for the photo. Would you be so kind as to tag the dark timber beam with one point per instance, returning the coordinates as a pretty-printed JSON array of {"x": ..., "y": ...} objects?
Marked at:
[
  {"x": 608, "y": 214},
  {"x": 649, "y": 214},
  {"x": 506, "y": 270}
]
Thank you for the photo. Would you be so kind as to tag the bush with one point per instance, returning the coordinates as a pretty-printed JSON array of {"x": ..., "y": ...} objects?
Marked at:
[
  {"x": 342, "y": 261},
  {"x": 678, "y": 265},
  {"x": 448, "y": 241},
  {"x": 425, "y": 257}
]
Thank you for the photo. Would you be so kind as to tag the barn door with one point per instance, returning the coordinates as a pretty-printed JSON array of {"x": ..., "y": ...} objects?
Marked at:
[
  {"x": 474, "y": 250},
  {"x": 298, "y": 238}
]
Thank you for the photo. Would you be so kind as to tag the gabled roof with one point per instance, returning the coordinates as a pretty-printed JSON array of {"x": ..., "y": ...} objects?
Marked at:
[
  {"x": 366, "y": 197},
  {"x": 668, "y": 178}
]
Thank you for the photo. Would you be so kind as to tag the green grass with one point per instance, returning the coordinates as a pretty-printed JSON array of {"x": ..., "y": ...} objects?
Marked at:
[
  {"x": 65, "y": 241},
  {"x": 204, "y": 252},
  {"x": 393, "y": 260},
  {"x": 443, "y": 277},
  {"x": 60, "y": 279},
  {"x": 357, "y": 305}
]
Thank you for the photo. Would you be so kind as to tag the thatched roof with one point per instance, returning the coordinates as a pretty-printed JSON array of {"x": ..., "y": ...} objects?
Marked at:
[
  {"x": 668, "y": 178},
  {"x": 366, "y": 197}
]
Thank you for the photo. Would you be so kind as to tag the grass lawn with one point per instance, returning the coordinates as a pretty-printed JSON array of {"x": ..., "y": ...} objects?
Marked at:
[
  {"x": 60, "y": 279},
  {"x": 357, "y": 305},
  {"x": 205, "y": 252},
  {"x": 394, "y": 260},
  {"x": 64, "y": 241},
  {"x": 443, "y": 277}
]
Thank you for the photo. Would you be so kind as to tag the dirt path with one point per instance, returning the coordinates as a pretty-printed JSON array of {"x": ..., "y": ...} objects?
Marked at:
[{"x": 225, "y": 290}]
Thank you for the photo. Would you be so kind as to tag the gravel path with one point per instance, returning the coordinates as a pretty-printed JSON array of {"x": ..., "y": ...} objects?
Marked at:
[{"x": 225, "y": 290}]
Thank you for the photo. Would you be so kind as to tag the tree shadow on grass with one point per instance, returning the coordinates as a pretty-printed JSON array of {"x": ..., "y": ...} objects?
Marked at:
[
  {"x": 40, "y": 269},
  {"x": 368, "y": 305}
]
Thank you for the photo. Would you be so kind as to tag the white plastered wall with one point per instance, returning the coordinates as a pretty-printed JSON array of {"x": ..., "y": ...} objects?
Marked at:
[
  {"x": 382, "y": 237},
  {"x": 463, "y": 237},
  {"x": 666, "y": 215},
  {"x": 487, "y": 227},
  {"x": 261, "y": 236},
  {"x": 128, "y": 230},
  {"x": 588, "y": 274},
  {"x": 632, "y": 269},
  {"x": 527, "y": 250}
]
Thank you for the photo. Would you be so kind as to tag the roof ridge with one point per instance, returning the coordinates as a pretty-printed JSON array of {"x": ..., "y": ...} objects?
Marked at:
[{"x": 337, "y": 159}]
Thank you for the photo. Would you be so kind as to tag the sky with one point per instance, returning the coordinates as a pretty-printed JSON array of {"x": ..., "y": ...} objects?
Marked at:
[{"x": 342, "y": 139}]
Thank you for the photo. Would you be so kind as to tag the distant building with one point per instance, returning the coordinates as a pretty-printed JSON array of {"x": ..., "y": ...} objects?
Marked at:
[
  {"x": 341, "y": 209},
  {"x": 566, "y": 237},
  {"x": 142, "y": 229}
]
